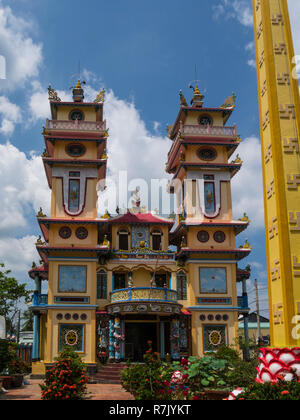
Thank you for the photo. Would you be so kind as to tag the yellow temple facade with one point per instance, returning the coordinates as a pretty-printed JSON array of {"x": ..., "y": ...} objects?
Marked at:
[
  {"x": 116, "y": 282},
  {"x": 278, "y": 93}
]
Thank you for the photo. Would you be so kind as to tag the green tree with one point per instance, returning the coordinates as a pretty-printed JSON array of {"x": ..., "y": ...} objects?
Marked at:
[
  {"x": 28, "y": 321},
  {"x": 11, "y": 293}
]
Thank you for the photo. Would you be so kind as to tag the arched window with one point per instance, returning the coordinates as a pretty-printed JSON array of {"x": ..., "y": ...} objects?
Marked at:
[
  {"x": 181, "y": 286},
  {"x": 102, "y": 285},
  {"x": 156, "y": 240},
  {"x": 123, "y": 240}
]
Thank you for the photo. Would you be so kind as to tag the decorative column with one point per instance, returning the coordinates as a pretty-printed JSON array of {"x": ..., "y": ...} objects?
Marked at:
[
  {"x": 175, "y": 345},
  {"x": 246, "y": 321},
  {"x": 111, "y": 339},
  {"x": 36, "y": 337},
  {"x": 38, "y": 284},
  {"x": 162, "y": 340}
]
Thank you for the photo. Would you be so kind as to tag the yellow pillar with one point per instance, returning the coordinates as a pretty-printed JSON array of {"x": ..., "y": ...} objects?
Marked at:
[{"x": 279, "y": 108}]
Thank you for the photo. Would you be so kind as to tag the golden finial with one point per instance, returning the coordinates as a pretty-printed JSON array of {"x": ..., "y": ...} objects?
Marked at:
[
  {"x": 197, "y": 91},
  {"x": 78, "y": 85},
  {"x": 106, "y": 215}
]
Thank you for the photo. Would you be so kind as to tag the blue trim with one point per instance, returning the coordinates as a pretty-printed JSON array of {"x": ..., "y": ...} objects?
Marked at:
[
  {"x": 123, "y": 342},
  {"x": 113, "y": 282}
]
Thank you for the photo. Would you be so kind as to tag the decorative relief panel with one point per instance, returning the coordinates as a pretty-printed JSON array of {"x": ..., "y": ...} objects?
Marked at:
[
  {"x": 271, "y": 189},
  {"x": 287, "y": 111},
  {"x": 296, "y": 266},
  {"x": 294, "y": 220},
  {"x": 293, "y": 181},
  {"x": 278, "y": 314},
  {"x": 268, "y": 153},
  {"x": 280, "y": 48},
  {"x": 277, "y": 20},
  {"x": 290, "y": 145},
  {"x": 275, "y": 270},
  {"x": 283, "y": 79},
  {"x": 273, "y": 229}
]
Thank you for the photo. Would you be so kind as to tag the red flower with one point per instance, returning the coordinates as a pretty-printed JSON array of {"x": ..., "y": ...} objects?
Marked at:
[{"x": 285, "y": 393}]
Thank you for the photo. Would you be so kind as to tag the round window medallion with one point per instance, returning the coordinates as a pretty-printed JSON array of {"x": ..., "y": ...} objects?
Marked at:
[
  {"x": 202, "y": 317},
  {"x": 218, "y": 318},
  {"x": 71, "y": 338},
  {"x": 219, "y": 237},
  {"x": 205, "y": 120},
  {"x": 215, "y": 338},
  {"x": 210, "y": 317},
  {"x": 59, "y": 317},
  {"x": 76, "y": 115},
  {"x": 207, "y": 153},
  {"x": 75, "y": 149},
  {"x": 83, "y": 317},
  {"x": 67, "y": 317},
  {"x": 65, "y": 232},
  {"x": 225, "y": 317},
  {"x": 203, "y": 236},
  {"x": 82, "y": 233},
  {"x": 75, "y": 317}
]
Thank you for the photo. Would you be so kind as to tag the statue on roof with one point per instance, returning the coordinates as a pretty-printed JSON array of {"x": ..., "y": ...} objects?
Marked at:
[
  {"x": 52, "y": 95},
  {"x": 41, "y": 213},
  {"x": 230, "y": 102},
  {"x": 135, "y": 198},
  {"x": 183, "y": 101},
  {"x": 100, "y": 97}
]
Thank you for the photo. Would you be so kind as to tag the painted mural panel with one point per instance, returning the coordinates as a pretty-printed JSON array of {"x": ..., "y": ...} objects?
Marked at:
[
  {"x": 72, "y": 279},
  {"x": 214, "y": 337},
  {"x": 74, "y": 195},
  {"x": 213, "y": 280},
  {"x": 209, "y": 197},
  {"x": 71, "y": 336}
]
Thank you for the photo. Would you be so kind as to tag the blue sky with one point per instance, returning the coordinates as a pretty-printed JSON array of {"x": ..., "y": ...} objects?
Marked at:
[{"x": 143, "y": 53}]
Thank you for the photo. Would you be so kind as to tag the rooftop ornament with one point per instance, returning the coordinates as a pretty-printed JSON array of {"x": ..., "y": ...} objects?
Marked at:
[
  {"x": 100, "y": 99},
  {"x": 41, "y": 213},
  {"x": 230, "y": 102},
  {"x": 183, "y": 101},
  {"x": 52, "y": 95},
  {"x": 238, "y": 160},
  {"x": 198, "y": 97},
  {"x": 246, "y": 245},
  {"x": 245, "y": 218}
]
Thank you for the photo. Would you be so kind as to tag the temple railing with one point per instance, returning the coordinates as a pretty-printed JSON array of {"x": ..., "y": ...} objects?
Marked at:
[
  {"x": 201, "y": 130},
  {"x": 243, "y": 302},
  {"x": 142, "y": 294},
  {"x": 39, "y": 300},
  {"x": 76, "y": 125}
]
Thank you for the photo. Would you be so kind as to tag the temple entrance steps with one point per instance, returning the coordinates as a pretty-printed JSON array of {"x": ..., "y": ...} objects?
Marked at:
[{"x": 109, "y": 374}]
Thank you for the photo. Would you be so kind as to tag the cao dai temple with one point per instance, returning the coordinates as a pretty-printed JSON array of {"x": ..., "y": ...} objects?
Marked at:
[{"x": 116, "y": 282}]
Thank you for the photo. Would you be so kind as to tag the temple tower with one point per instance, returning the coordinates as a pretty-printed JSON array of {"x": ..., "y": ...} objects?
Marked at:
[
  {"x": 205, "y": 232},
  {"x": 75, "y": 160},
  {"x": 279, "y": 106}
]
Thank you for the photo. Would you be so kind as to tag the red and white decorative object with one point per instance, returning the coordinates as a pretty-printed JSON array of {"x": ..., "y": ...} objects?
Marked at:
[
  {"x": 234, "y": 394},
  {"x": 275, "y": 364}
]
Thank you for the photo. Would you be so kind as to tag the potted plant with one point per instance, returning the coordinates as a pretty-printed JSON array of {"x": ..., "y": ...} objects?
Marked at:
[
  {"x": 17, "y": 370},
  {"x": 6, "y": 356}
]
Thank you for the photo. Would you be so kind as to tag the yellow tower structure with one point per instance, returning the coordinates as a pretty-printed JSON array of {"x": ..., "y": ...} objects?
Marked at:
[{"x": 279, "y": 107}]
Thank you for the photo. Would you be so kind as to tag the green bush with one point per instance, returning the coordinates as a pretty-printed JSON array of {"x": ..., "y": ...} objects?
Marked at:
[
  {"x": 285, "y": 391},
  {"x": 7, "y": 354},
  {"x": 241, "y": 374},
  {"x": 67, "y": 379}
]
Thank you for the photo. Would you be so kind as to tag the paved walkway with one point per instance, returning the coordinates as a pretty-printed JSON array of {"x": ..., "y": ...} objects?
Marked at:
[{"x": 95, "y": 392}]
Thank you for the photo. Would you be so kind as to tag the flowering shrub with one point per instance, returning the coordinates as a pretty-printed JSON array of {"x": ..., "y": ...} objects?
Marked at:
[
  {"x": 66, "y": 380},
  {"x": 17, "y": 366},
  {"x": 7, "y": 354},
  {"x": 145, "y": 381},
  {"x": 272, "y": 391}
]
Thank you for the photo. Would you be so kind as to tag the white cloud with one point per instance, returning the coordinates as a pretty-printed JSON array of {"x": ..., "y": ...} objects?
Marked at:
[
  {"x": 235, "y": 9},
  {"x": 23, "y": 56},
  {"x": 10, "y": 115},
  {"x": 247, "y": 187},
  {"x": 23, "y": 188},
  {"x": 18, "y": 254}
]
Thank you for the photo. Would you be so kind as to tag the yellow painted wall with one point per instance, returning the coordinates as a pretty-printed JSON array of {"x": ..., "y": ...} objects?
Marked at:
[{"x": 60, "y": 150}]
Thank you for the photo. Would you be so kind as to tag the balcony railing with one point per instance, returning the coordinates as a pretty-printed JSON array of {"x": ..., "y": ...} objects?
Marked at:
[
  {"x": 243, "y": 302},
  {"x": 39, "y": 300},
  {"x": 142, "y": 294},
  {"x": 199, "y": 130},
  {"x": 76, "y": 125}
]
